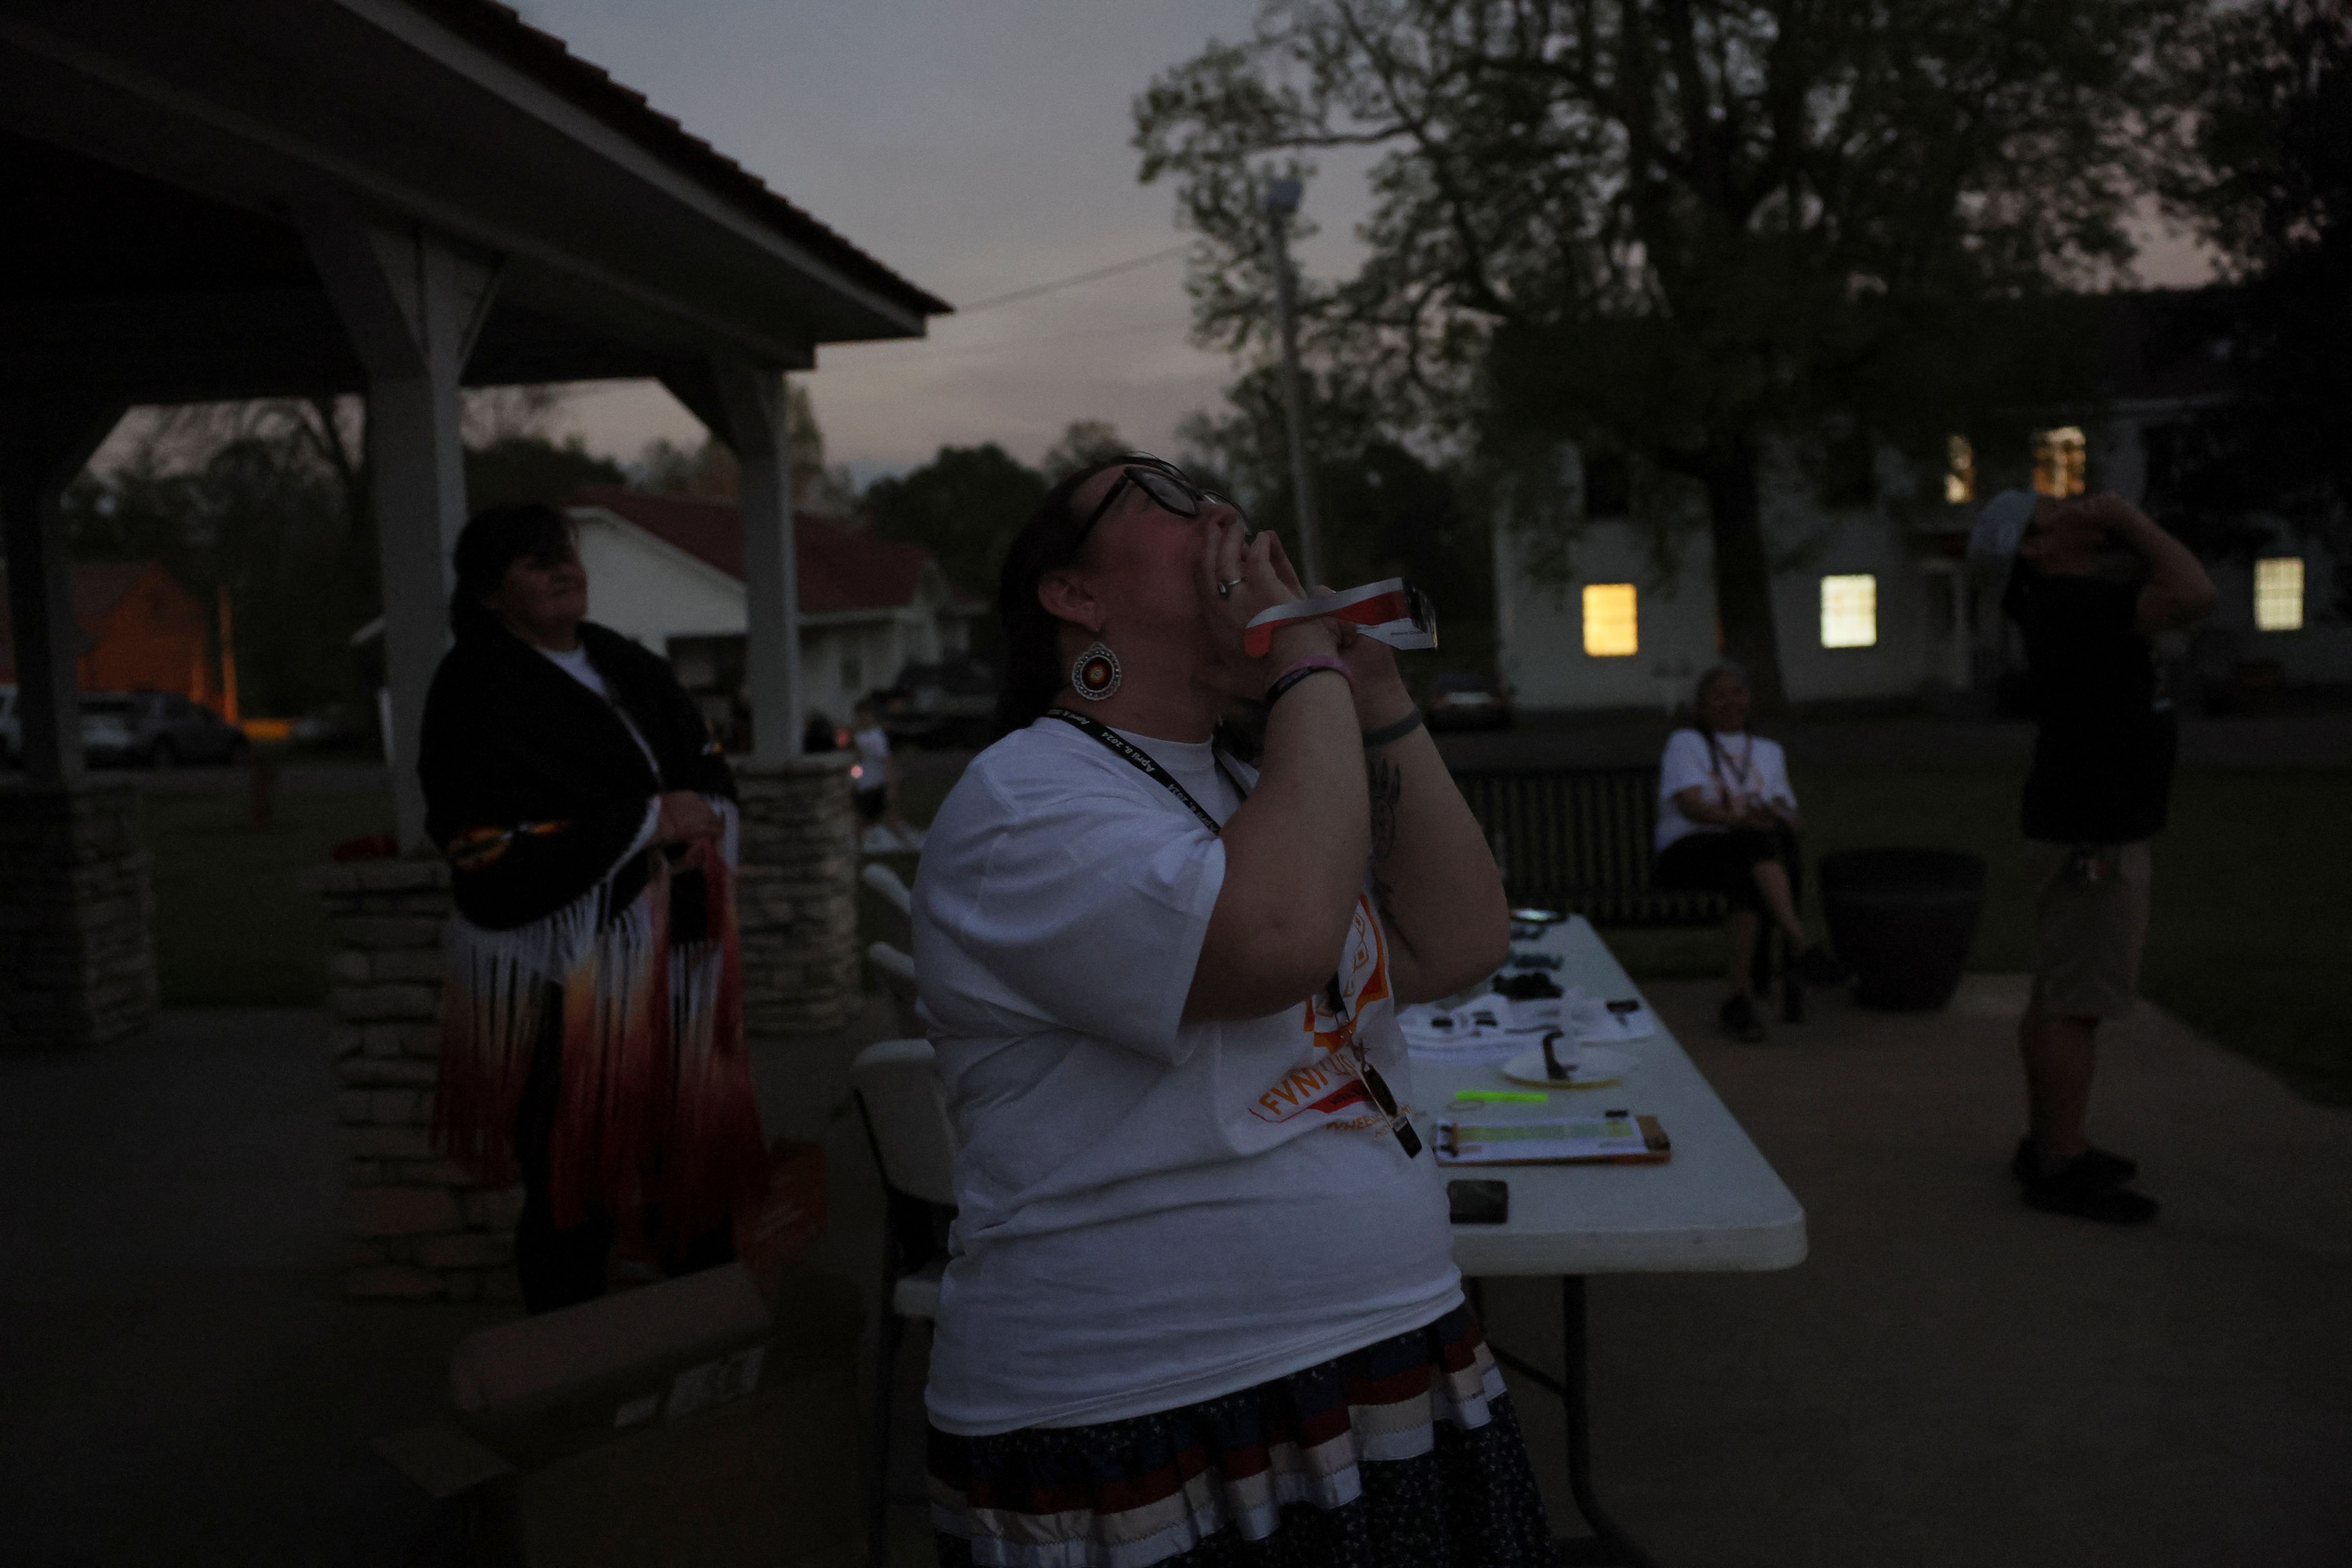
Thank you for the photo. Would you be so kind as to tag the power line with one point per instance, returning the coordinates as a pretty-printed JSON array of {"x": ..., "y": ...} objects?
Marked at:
[
  {"x": 927, "y": 350},
  {"x": 1112, "y": 270}
]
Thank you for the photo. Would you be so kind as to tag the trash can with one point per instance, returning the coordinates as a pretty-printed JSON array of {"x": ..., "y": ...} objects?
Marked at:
[{"x": 1902, "y": 920}]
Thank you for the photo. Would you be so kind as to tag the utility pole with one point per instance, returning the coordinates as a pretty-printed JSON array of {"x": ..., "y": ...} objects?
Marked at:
[{"x": 1281, "y": 203}]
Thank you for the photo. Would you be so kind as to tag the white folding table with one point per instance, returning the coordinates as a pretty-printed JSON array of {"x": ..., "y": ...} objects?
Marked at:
[{"x": 1715, "y": 1206}]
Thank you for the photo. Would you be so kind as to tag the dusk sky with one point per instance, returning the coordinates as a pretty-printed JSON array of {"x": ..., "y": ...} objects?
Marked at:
[{"x": 977, "y": 148}]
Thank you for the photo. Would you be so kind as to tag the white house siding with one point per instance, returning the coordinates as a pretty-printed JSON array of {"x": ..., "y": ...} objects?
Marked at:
[
  {"x": 650, "y": 591},
  {"x": 1540, "y": 626},
  {"x": 2320, "y": 653},
  {"x": 1849, "y": 543},
  {"x": 1540, "y": 632},
  {"x": 654, "y": 593}
]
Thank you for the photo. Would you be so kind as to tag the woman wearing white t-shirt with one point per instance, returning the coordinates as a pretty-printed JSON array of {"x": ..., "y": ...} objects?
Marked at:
[
  {"x": 1728, "y": 824},
  {"x": 1200, "y": 1305}
]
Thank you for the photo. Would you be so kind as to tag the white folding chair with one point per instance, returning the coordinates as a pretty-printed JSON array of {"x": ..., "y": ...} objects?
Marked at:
[
  {"x": 885, "y": 881},
  {"x": 906, "y": 1113}
]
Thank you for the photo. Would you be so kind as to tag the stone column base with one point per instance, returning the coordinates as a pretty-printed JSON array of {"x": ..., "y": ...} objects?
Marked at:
[
  {"x": 415, "y": 1227},
  {"x": 76, "y": 916},
  {"x": 797, "y": 897}
]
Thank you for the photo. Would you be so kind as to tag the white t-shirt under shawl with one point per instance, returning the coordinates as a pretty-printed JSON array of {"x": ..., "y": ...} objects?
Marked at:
[
  {"x": 1150, "y": 1212},
  {"x": 1742, "y": 769}
]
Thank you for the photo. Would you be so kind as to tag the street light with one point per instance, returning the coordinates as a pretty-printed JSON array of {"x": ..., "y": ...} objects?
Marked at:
[{"x": 1281, "y": 206}]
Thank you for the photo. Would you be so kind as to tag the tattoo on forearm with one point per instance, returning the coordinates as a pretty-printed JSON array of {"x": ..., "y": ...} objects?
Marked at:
[{"x": 1387, "y": 781}]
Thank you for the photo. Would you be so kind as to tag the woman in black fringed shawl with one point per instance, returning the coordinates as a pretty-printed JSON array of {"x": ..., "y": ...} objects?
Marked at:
[{"x": 592, "y": 1021}]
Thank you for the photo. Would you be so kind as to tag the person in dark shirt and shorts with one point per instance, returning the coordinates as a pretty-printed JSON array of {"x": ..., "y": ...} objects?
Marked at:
[{"x": 2094, "y": 580}]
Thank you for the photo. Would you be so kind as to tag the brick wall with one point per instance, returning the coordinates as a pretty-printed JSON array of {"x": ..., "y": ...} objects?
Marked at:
[
  {"x": 76, "y": 915},
  {"x": 415, "y": 1227}
]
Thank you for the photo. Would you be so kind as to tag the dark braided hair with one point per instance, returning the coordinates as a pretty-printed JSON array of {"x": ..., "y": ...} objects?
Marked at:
[{"x": 1032, "y": 635}]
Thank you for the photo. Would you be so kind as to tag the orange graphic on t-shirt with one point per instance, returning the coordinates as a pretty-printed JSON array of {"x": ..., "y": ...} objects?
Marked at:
[
  {"x": 1363, "y": 978},
  {"x": 1322, "y": 1084}
]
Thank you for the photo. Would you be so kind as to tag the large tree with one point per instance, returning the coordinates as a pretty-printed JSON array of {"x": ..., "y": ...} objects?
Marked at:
[
  {"x": 254, "y": 502},
  {"x": 2270, "y": 186},
  {"x": 1386, "y": 510},
  {"x": 1695, "y": 232},
  {"x": 965, "y": 505}
]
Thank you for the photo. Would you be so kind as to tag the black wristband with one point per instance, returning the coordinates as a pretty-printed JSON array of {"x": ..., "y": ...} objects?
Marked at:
[
  {"x": 1274, "y": 693},
  {"x": 1396, "y": 732}
]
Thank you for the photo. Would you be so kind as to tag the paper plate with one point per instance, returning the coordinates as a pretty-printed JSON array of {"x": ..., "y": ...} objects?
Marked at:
[{"x": 1599, "y": 1064}]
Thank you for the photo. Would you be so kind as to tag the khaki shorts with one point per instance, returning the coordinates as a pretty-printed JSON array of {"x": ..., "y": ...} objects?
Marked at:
[{"x": 2087, "y": 935}]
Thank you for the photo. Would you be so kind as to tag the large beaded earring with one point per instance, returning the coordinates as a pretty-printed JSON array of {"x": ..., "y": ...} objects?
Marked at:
[{"x": 1095, "y": 674}]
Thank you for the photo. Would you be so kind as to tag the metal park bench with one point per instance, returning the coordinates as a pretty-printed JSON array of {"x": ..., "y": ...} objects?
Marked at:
[{"x": 1579, "y": 840}]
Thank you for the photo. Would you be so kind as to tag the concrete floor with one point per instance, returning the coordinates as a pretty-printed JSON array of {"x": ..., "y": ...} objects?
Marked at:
[
  {"x": 1948, "y": 1379},
  {"x": 181, "y": 1379},
  {"x": 1954, "y": 1379}
]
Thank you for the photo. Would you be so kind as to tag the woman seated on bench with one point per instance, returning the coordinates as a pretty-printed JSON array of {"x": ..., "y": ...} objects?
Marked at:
[{"x": 1728, "y": 824}]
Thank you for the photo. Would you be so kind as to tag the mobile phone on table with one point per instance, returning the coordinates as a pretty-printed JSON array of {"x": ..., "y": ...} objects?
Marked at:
[{"x": 1478, "y": 1202}]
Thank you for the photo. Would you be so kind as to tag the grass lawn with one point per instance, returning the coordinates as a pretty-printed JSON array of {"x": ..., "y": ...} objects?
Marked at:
[
  {"x": 231, "y": 928},
  {"x": 2250, "y": 918},
  {"x": 2250, "y": 922}
]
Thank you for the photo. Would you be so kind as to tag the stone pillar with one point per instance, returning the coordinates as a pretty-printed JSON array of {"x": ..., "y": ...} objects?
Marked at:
[
  {"x": 415, "y": 1227},
  {"x": 797, "y": 897},
  {"x": 76, "y": 916}
]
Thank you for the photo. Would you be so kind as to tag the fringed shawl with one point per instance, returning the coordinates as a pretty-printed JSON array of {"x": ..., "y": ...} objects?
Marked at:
[{"x": 540, "y": 797}]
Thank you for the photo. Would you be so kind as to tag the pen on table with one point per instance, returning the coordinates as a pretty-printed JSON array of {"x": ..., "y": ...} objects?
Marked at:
[{"x": 1503, "y": 1096}]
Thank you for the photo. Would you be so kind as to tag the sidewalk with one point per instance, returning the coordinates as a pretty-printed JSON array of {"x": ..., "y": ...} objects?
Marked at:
[
  {"x": 1950, "y": 1379},
  {"x": 1953, "y": 1379}
]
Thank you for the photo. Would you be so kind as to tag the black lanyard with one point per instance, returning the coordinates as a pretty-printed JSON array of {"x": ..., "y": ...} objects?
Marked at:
[{"x": 1147, "y": 764}]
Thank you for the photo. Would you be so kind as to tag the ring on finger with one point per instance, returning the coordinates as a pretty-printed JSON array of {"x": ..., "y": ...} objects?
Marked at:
[{"x": 1225, "y": 586}]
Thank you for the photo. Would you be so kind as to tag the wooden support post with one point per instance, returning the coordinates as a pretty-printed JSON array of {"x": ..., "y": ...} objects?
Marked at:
[
  {"x": 77, "y": 907},
  {"x": 744, "y": 405},
  {"x": 413, "y": 306},
  {"x": 44, "y": 442}
]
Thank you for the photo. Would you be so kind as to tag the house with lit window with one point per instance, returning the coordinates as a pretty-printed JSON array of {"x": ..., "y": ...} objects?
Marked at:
[{"x": 1872, "y": 598}]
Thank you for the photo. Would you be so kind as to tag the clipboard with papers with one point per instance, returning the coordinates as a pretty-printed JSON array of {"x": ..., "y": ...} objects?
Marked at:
[{"x": 1613, "y": 1137}]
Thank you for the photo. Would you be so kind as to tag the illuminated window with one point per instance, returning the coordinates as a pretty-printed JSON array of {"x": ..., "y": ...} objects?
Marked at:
[
  {"x": 1959, "y": 471},
  {"x": 2058, "y": 461},
  {"x": 1850, "y": 611},
  {"x": 1612, "y": 620},
  {"x": 2278, "y": 594}
]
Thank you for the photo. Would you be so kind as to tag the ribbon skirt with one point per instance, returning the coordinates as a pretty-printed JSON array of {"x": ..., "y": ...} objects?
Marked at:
[{"x": 1405, "y": 1452}]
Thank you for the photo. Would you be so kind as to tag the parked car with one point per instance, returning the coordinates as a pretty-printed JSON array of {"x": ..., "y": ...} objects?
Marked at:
[
  {"x": 1468, "y": 699},
  {"x": 950, "y": 704},
  {"x": 154, "y": 730}
]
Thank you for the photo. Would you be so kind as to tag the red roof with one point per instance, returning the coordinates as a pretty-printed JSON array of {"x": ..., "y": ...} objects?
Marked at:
[
  {"x": 543, "y": 56},
  {"x": 840, "y": 569}
]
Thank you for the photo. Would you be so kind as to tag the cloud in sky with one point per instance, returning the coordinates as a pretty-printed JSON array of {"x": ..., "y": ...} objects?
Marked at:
[{"x": 977, "y": 148}]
